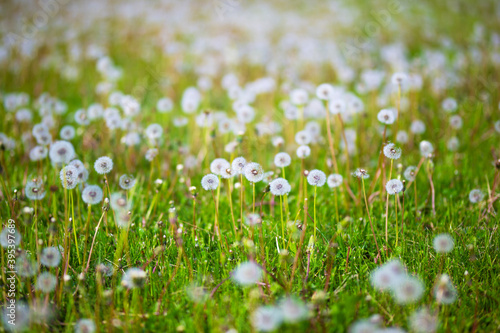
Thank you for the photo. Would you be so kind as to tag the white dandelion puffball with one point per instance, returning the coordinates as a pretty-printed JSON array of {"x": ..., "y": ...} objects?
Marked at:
[
  {"x": 67, "y": 132},
  {"x": 476, "y": 196},
  {"x": 400, "y": 79},
  {"x": 7, "y": 235},
  {"x": 219, "y": 166},
  {"x": 385, "y": 277},
  {"x": 337, "y": 106},
  {"x": 303, "y": 137},
  {"x": 417, "y": 127},
  {"x": 443, "y": 243},
  {"x": 238, "y": 165},
  {"x": 299, "y": 97},
  {"x": 247, "y": 273},
  {"x": 210, "y": 182},
  {"x": 293, "y": 309},
  {"x": 361, "y": 174},
  {"x": 391, "y": 151},
  {"x": 334, "y": 180},
  {"x": 386, "y": 116},
  {"x": 266, "y": 318},
  {"x": 456, "y": 122},
  {"x": 449, "y": 104},
  {"x": 303, "y": 151},
  {"x": 423, "y": 321},
  {"x": 426, "y": 148},
  {"x": 164, "y": 105},
  {"x": 50, "y": 257},
  {"x": 61, "y": 152},
  {"x": 444, "y": 291},
  {"x": 134, "y": 278},
  {"x": 46, "y": 282},
  {"x": 127, "y": 182},
  {"x": 410, "y": 173},
  {"x": 394, "y": 186},
  {"x": 253, "y": 172},
  {"x": 408, "y": 289},
  {"x": 35, "y": 189},
  {"x": 316, "y": 178},
  {"x": 253, "y": 219},
  {"x": 282, "y": 160},
  {"x": 92, "y": 194},
  {"x": 85, "y": 326},
  {"x": 103, "y": 165},
  {"x": 280, "y": 186},
  {"x": 154, "y": 131},
  {"x": 69, "y": 177},
  {"x": 325, "y": 91}
]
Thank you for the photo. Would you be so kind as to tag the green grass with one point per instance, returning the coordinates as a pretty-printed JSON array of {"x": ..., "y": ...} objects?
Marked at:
[{"x": 161, "y": 236}]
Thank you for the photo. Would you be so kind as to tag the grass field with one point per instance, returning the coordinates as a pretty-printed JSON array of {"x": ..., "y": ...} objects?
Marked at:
[{"x": 225, "y": 166}]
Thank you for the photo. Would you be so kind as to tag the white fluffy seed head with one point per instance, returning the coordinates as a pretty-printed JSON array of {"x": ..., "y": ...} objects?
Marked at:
[
  {"x": 394, "y": 186},
  {"x": 282, "y": 160},
  {"x": 334, "y": 180},
  {"x": 426, "y": 148},
  {"x": 238, "y": 165},
  {"x": 386, "y": 116},
  {"x": 316, "y": 178},
  {"x": 410, "y": 173},
  {"x": 219, "y": 166},
  {"x": 391, "y": 151},
  {"x": 103, "y": 165},
  {"x": 443, "y": 243},
  {"x": 280, "y": 186},
  {"x": 210, "y": 182},
  {"x": 253, "y": 172},
  {"x": 92, "y": 194},
  {"x": 476, "y": 196},
  {"x": 303, "y": 151},
  {"x": 247, "y": 273}
]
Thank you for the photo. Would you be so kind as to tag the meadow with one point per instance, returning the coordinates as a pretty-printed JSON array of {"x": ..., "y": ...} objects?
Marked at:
[{"x": 224, "y": 166}]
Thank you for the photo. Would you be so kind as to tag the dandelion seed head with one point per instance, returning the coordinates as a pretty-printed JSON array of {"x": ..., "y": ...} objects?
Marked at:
[
  {"x": 219, "y": 166},
  {"x": 67, "y": 132},
  {"x": 103, "y": 165},
  {"x": 449, "y": 104},
  {"x": 361, "y": 173},
  {"x": 410, "y": 173},
  {"x": 50, "y": 257},
  {"x": 280, "y": 186},
  {"x": 253, "y": 219},
  {"x": 35, "y": 189},
  {"x": 456, "y": 122},
  {"x": 266, "y": 318},
  {"x": 69, "y": 176},
  {"x": 282, "y": 160},
  {"x": 26, "y": 266},
  {"x": 127, "y": 182},
  {"x": 253, "y": 172},
  {"x": 85, "y": 326},
  {"x": 293, "y": 310},
  {"x": 119, "y": 202},
  {"x": 210, "y": 182},
  {"x": 417, "y": 127},
  {"x": 299, "y": 97},
  {"x": 151, "y": 154},
  {"x": 238, "y": 165},
  {"x": 154, "y": 132},
  {"x": 7, "y": 235},
  {"x": 303, "y": 151},
  {"x": 476, "y": 196},
  {"x": 61, "y": 152},
  {"x": 92, "y": 194},
  {"x": 46, "y": 282},
  {"x": 22, "y": 315},
  {"x": 303, "y": 138},
  {"x": 402, "y": 137},
  {"x": 391, "y": 151},
  {"x": 408, "y": 289},
  {"x": 385, "y": 277},
  {"x": 247, "y": 273},
  {"x": 363, "y": 326},
  {"x": 38, "y": 153},
  {"x": 325, "y": 91},
  {"x": 337, "y": 106},
  {"x": 423, "y": 321},
  {"x": 134, "y": 278},
  {"x": 443, "y": 243},
  {"x": 444, "y": 291},
  {"x": 453, "y": 144},
  {"x": 386, "y": 116},
  {"x": 334, "y": 180},
  {"x": 394, "y": 186},
  {"x": 316, "y": 178},
  {"x": 426, "y": 148}
]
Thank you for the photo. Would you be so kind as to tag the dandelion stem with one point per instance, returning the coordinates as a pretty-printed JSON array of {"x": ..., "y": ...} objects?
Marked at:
[
  {"x": 230, "y": 195},
  {"x": 396, "y": 211},
  {"x": 314, "y": 205},
  {"x": 369, "y": 216},
  {"x": 282, "y": 224},
  {"x": 387, "y": 212}
]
